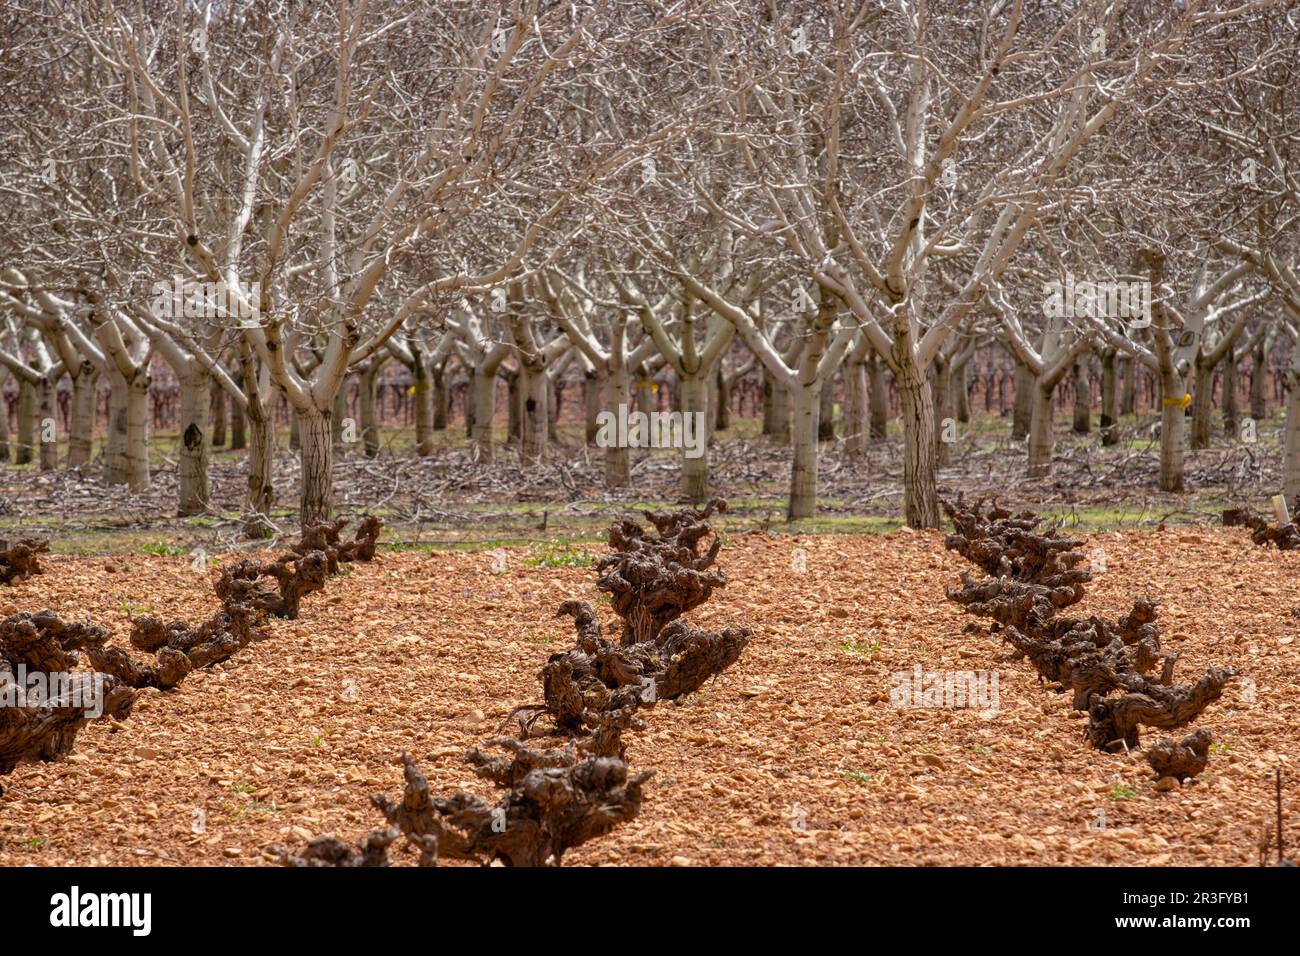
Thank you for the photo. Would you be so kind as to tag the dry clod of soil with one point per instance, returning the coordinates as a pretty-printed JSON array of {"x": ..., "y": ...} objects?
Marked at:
[
  {"x": 18, "y": 562},
  {"x": 1181, "y": 759}
]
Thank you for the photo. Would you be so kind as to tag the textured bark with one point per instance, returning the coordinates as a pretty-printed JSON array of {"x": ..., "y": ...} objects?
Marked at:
[
  {"x": 1202, "y": 404},
  {"x": 325, "y": 538},
  {"x": 941, "y": 392},
  {"x": 920, "y": 497},
  {"x": 261, "y": 457},
  {"x": 1263, "y": 532},
  {"x": 776, "y": 409},
  {"x": 855, "y": 416},
  {"x": 548, "y": 810},
  {"x": 238, "y": 429},
  {"x": 826, "y": 413},
  {"x": 45, "y": 729},
  {"x": 721, "y": 400},
  {"x": 194, "y": 455},
  {"x": 1114, "y": 721},
  {"x": 1022, "y": 408},
  {"x": 1082, "y": 381},
  {"x": 1259, "y": 380},
  {"x": 180, "y": 649},
  {"x": 654, "y": 578},
  {"x": 296, "y": 576},
  {"x": 1230, "y": 406},
  {"x": 331, "y": 851},
  {"x": 370, "y": 424},
  {"x": 424, "y": 396},
  {"x": 1128, "y": 394},
  {"x": 26, "y": 423},
  {"x": 441, "y": 398},
  {"x": 317, "y": 453},
  {"x": 878, "y": 398},
  {"x": 217, "y": 416},
  {"x": 534, "y": 399},
  {"x": 1109, "y": 403},
  {"x": 19, "y": 561},
  {"x": 4, "y": 423}
]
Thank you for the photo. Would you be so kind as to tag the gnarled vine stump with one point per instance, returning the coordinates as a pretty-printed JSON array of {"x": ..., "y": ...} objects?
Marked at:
[
  {"x": 44, "y": 699},
  {"x": 296, "y": 576}
]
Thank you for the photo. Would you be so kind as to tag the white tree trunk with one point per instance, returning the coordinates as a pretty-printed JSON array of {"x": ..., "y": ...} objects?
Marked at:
[
  {"x": 424, "y": 406},
  {"x": 1041, "y": 437},
  {"x": 1173, "y": 432},
  {"x": 534, "y": 422},
  {"x": 695, "y": 471},
  {"x": 192, "y": 468},
  {"x": 137, "y": 432},
  {"x": 483, "y": 400},
  {"x": 47, "y": 436},
  {"x": 805, "y": 400},
  {"x": 115, "y": 447}
]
